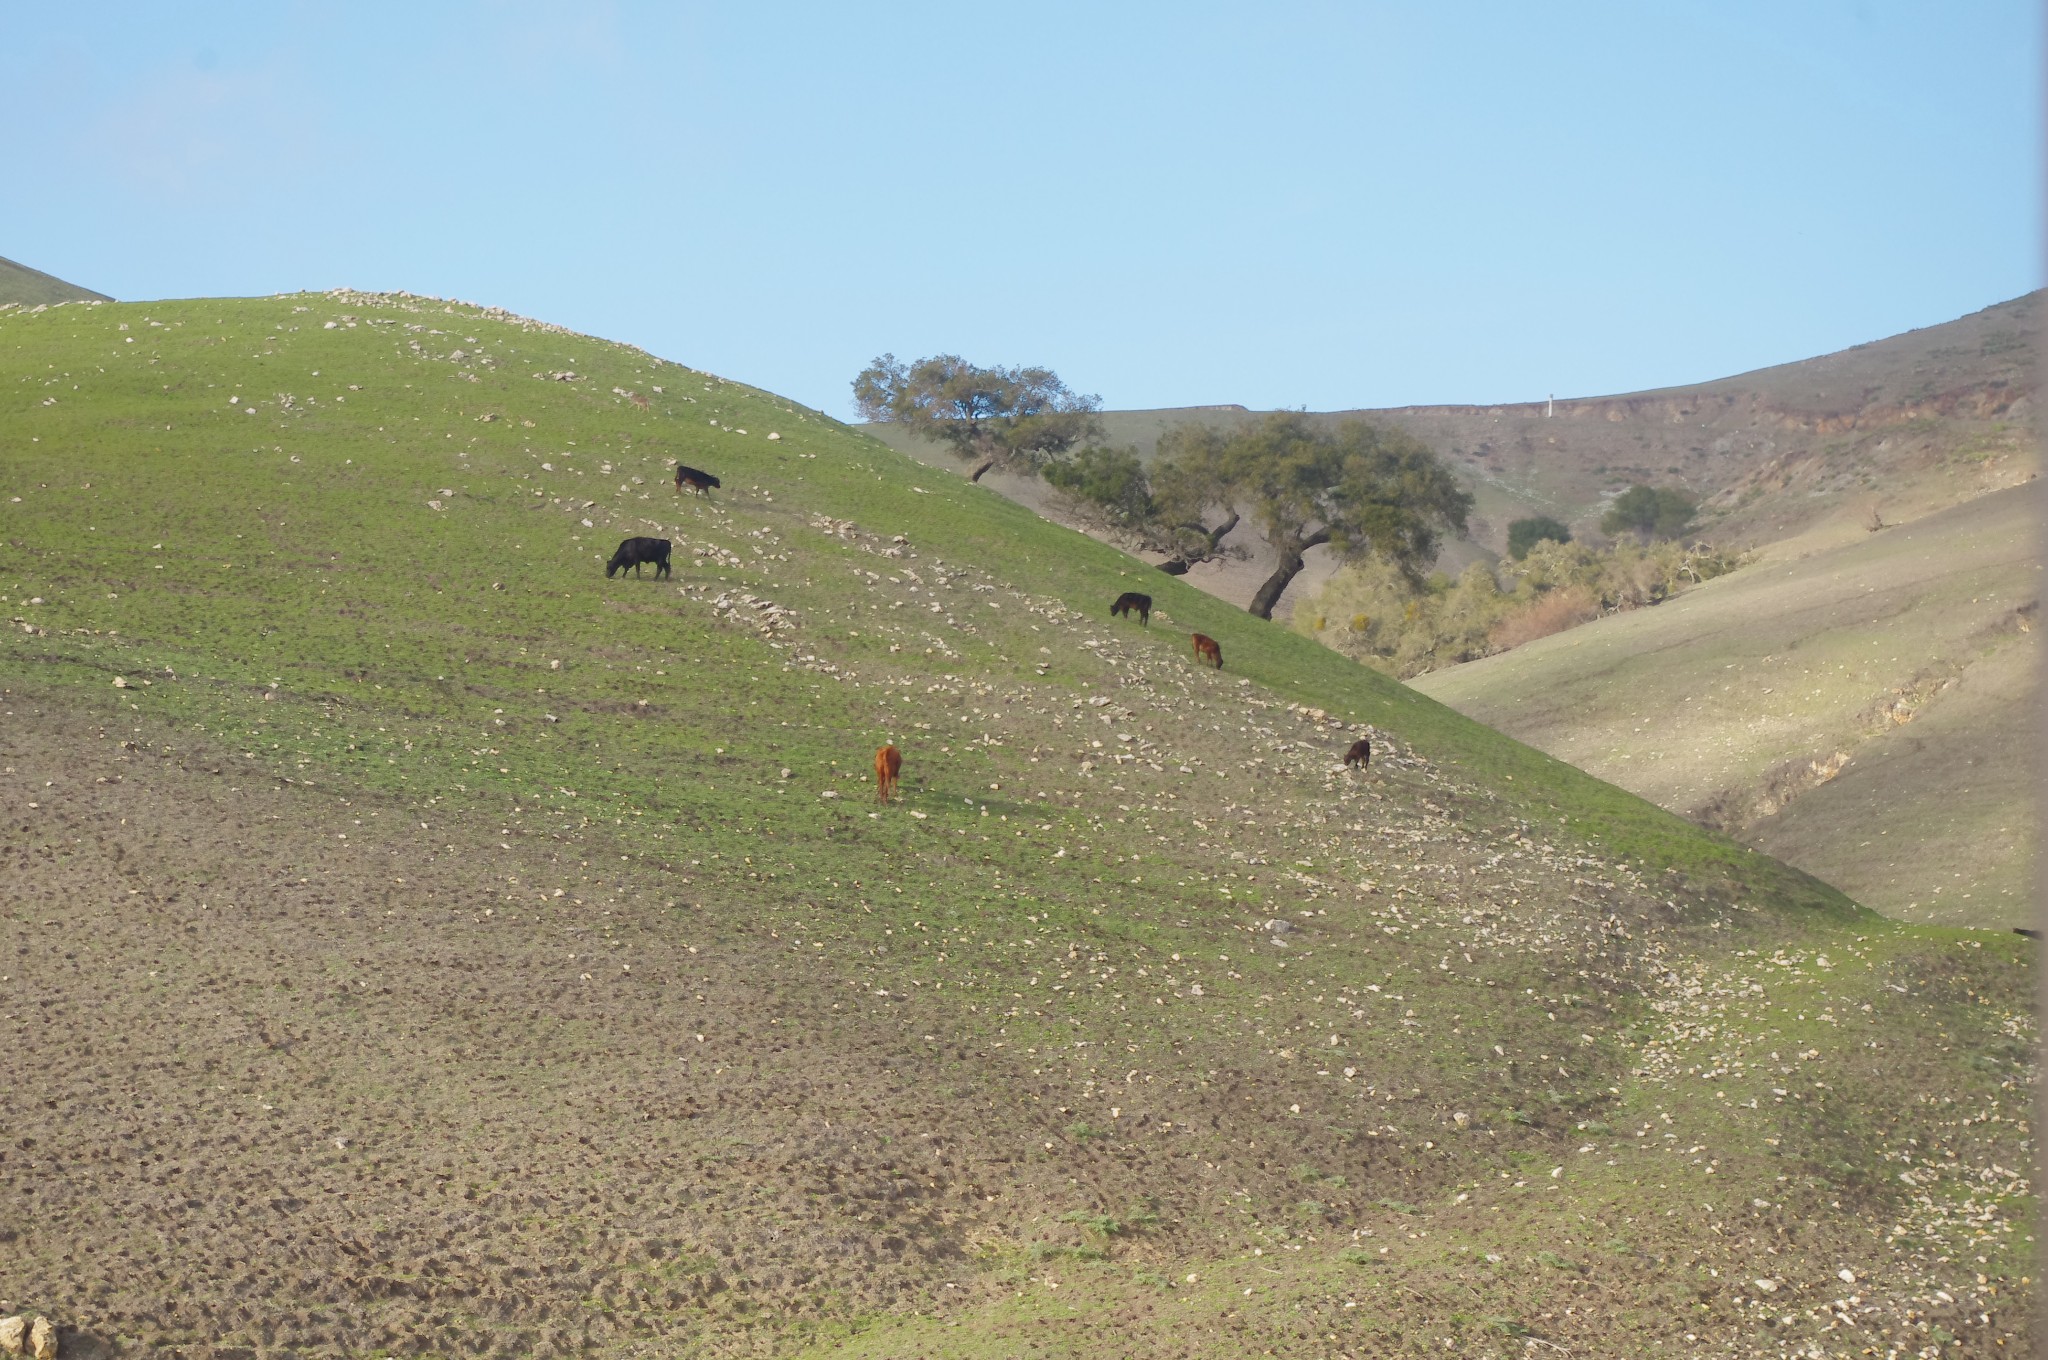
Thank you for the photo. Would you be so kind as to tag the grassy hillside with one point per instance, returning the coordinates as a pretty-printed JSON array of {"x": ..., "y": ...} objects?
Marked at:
[
  {"x": 24, "y": 287},
  {"x": 429, "y": 945},
  {"x": 1865, "y": 712}
]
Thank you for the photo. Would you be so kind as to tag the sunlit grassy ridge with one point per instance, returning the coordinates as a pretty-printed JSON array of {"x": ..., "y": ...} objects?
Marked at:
[
  {"x": 1521, "y": 1014},
  {"x": 25, "y": 287},
  {"x": 300, "y": 542}
]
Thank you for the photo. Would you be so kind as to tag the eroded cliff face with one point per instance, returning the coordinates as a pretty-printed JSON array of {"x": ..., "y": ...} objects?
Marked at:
[{"x": 1893, "y": 429}]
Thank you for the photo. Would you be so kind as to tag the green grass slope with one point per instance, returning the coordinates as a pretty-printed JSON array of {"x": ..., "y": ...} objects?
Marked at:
[
  {"x": 427, "y": 945},
  {"x": 24, "y": 287},
  {"x": 1865, "y": 712}
]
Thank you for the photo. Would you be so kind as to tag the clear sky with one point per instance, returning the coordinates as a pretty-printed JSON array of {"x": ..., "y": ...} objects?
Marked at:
[{"x": 1299, "y": 204}]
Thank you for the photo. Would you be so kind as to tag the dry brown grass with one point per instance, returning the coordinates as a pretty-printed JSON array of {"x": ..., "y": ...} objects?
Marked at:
[{"x": 1551, "y": 612}]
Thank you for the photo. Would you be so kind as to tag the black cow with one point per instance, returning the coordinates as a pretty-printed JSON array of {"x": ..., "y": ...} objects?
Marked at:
[
  {"x": 1131, "y": 600},
  {"x": 695, "y": 480},
  {"x": 635, "y": 551},
  {"x": 1360, "y": 753}
]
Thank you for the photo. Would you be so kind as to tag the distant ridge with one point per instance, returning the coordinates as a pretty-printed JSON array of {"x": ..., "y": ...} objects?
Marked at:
[{"x": 27, "y": 287}]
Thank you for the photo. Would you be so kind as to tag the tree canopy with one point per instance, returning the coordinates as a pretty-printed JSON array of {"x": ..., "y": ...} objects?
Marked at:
[
  {"x": 1112, "y": 479},
  {"x": 1361, "y": 488},
  {"x": 1650, "y": 512},
  {"x": 1524, "y": 534},
  {"x": 992, "y": 417}
]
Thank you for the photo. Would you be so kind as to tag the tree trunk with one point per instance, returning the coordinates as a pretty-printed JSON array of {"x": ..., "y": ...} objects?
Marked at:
[
  {"x": 1289, "y": 568},
  {"x": 1212, "y": 540},
  {"x": 979, "y": 468},
  {"x": 1276, "y": 586}
]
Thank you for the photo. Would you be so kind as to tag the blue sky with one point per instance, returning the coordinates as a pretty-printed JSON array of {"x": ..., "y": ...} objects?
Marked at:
[{"x": 1320, "y": 205}]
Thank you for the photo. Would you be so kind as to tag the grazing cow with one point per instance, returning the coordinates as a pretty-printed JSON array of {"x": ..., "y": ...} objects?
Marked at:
[
  {"x": 1207, "y": 650},
  {"x": 1360, "y": 753},
  {"x": 695, "y": 480},
  {"x": 1131, "y": 600},
  {"x": 2030, "y": 934},
  {"x": 888, "y": 763},
  {"x": 635, "y": 551}
]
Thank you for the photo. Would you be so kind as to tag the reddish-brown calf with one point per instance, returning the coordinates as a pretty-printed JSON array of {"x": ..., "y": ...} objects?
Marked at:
[{"x": 888, "y": 763}]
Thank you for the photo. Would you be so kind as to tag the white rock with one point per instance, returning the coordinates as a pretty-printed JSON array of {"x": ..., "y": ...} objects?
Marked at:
[
  {"x": 42, "y": 1340},
  {"x": 12, "y": 1332},
  {"x": 773, "y": 435},
  {"x": 120, "y": 682},
  {"x": 1765, "y": 1286}
]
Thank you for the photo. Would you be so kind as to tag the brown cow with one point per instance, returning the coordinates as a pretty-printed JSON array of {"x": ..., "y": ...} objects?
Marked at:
[
  {"x": 1131, "y": 601},
  {"x": 1207, "y": 650},
  {"x": 888, "y": 763},
  {"x": 1360, "y": 753}
]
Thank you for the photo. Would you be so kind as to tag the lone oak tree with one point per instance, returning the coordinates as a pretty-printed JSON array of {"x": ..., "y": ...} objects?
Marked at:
[
  {"x": 1361, "y": 488},
  {"x": 1650, "y": 512},
  {"x": 993, "y": 417}
]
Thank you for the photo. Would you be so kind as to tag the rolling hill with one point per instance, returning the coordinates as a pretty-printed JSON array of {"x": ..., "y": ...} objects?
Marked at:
[
  {"x": 419, "y": 942},
  {"x": 24, "y": 287}
]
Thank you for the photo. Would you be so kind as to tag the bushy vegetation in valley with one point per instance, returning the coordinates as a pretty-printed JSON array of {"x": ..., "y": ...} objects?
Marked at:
[{"x": 1374, "y": 613}]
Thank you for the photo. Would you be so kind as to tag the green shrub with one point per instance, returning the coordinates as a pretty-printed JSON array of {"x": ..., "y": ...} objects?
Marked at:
[
  {"x": 1524, "y": 534},
  {"x": 1651, "y": 512}
]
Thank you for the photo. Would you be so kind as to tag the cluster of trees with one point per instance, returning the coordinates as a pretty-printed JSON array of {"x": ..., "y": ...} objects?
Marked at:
[
  {"x": 1648, "y": 513},
  {"x": 1379, "y": 498},
  {"x": 1388, "y": 621},
  {"x": 1365, "y": 491}
]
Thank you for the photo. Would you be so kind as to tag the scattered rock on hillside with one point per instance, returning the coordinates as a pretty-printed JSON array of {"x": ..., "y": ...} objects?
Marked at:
[
  {"x": 42, "y": 1340},
  {"x": 12, "y": 1331}
]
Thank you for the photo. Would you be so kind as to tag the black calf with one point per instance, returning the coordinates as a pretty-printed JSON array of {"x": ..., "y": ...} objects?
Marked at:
[
  {"x": 636, "y": 551},
  {"x": 1131, "y": 601},
  {"x": 695, "y": 480}
]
